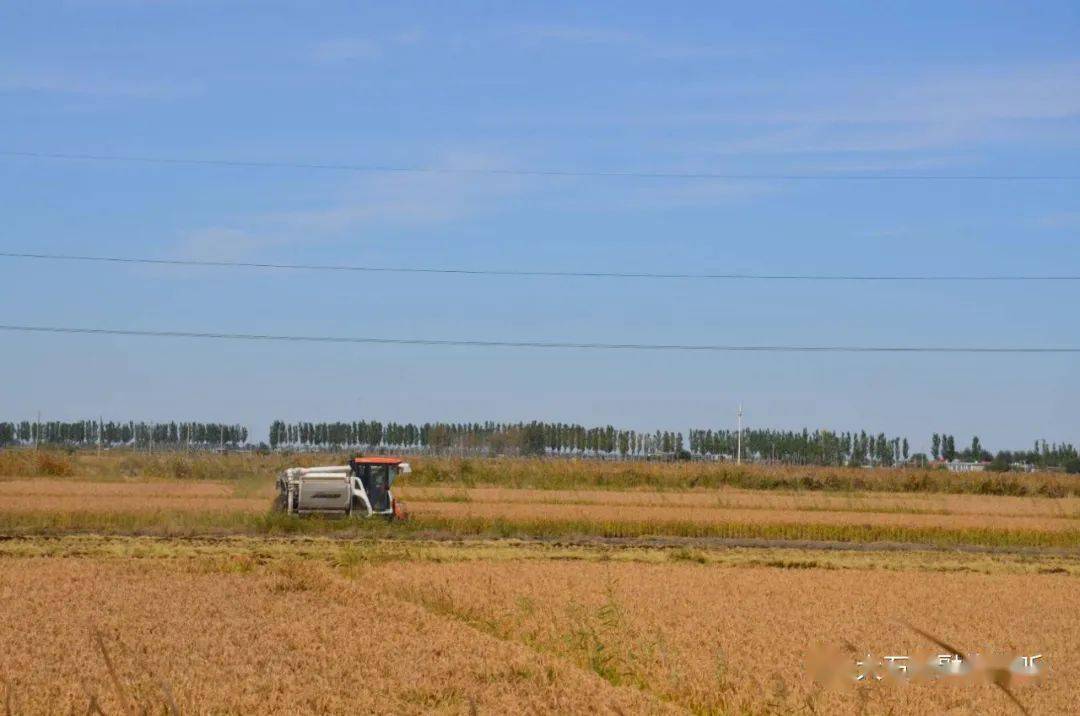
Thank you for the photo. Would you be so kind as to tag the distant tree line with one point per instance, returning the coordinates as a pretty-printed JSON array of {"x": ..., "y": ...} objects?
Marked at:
[
  {"x": 85, "y": 433},
  {"x": 821, "y": 447},
  {"x": 1042, "y": 454},
  {"x": 943, "y": 447},
  {"x": 487, "y": 438}
]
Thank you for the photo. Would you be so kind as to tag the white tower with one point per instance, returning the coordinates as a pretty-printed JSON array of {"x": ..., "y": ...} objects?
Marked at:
[{"x": 738, "y": 449}]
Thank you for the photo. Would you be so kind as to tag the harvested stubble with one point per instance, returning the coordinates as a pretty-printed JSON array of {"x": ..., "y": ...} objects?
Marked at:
[
  {"x": 171, "y": 507},
  {"x": 611, "y": 513},
  {"x": 70, "y": 495},
  {"x": 728, "y": 506}
]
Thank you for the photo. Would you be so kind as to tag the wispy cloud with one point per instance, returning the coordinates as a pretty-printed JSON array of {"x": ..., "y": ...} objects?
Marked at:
[
  {"x": 424, "y": 200},
  {"x": 700, "y": 196},
  {"x": 410, "y": 199},
  {"x": 841, "y": 138},
  {"x": 346, "y": 49},
  {"x": 356, "y": 49},
  {"x": 68, "y": 82},
  {"x": 217, "y": 243},
  {"x": 578, "y": 35},
  {"x": 378, "y": 201},
  {"x": 1065, "y": 220},
  {"x": 1044, "y": 91},
  {"x": 930, "y": 117},
  {"x": 619, "y": 39}
]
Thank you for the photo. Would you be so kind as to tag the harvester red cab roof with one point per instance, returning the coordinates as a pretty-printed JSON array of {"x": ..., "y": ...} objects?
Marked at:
[{"x": 378, "y": 460}]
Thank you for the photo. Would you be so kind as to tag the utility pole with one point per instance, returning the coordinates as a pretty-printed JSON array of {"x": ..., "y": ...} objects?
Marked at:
[
  {"x": 738, "y": 450},
  {"x": 37, "y": 431}
]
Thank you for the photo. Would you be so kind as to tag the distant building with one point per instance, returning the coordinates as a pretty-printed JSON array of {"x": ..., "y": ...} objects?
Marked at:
[{"x": 961, "y": 466}]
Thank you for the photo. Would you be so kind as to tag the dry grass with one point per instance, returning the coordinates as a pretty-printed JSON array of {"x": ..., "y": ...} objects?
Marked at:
[
  {"x": 546, "y": 474},
  {"x": 112, "y": 465},
  {"x": 553, "y": 474}
]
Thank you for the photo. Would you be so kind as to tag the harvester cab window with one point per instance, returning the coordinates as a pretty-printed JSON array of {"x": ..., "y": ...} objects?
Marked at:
[{"x": 376, "y": 480}]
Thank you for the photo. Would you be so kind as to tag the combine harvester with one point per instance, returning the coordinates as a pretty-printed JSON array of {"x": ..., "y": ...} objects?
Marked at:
[{"x": 359, "y": 489}]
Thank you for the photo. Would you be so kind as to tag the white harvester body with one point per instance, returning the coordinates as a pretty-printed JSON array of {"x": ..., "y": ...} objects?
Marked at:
[{"x": 359, "y": 489}]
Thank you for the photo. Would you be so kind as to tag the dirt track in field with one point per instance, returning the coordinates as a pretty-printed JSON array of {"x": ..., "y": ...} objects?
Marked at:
[{"x": 67, "y": 495}]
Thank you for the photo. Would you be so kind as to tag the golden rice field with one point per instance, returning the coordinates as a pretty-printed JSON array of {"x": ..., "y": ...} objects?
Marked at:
[
  {"x": 320, "y": 626},
  {"x": 127, "y": 588}
]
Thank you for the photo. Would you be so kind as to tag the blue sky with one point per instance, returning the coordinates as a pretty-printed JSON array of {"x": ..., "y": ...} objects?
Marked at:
[{"x": 835, "y": 89}]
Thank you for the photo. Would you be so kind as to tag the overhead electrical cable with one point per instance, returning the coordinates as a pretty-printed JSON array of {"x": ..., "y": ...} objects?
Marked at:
[
  {"x": 572, "y": 345},
  {"x": 537, "y": 273},
  {"x": 553, "y": 172}
]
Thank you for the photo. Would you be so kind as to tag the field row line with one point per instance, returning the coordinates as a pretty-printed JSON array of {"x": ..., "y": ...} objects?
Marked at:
[
  {"x": 722, "y": 504},
  {"x": 193, "y": 524}
]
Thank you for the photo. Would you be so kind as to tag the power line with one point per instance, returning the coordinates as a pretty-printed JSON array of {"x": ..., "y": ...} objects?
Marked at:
[
  {"x": 616, "y": 173},
  {"x": 548, "y": 274},
  {"x": 535, "y": 344}
]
